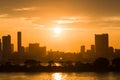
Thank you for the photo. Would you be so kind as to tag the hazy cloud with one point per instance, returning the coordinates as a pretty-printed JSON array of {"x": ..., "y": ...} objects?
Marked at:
[
  {"x": 100, "y": 13},
  {"x": 25, "y": 9},
  {"x": 112, "y": 18},
  {"x": 3, "y": 15},
  {"x": 60, "y": 7},
  {"x": 72, "y": 19}
]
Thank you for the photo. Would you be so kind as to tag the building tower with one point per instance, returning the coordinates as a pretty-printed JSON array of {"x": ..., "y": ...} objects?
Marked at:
[
  {"x": 92, "y": 48},
  {"x": 83, "y": 49},
  {"x": 101, "y": 45},
  {"x": 6, "y": 46},
  {"x": 19, "y": 39},
  {"x": 0, "y": 46}
]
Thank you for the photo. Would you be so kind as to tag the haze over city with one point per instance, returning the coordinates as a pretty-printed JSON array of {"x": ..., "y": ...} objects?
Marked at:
[{"x": 62, "y": 25}]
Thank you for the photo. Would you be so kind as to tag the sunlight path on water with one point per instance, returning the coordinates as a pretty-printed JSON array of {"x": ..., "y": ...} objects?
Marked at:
[{"x": 60, "y": 76}]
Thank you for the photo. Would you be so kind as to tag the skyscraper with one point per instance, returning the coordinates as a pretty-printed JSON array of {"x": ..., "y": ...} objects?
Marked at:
[
  {"x": 6, "y": 45},
  {"x": 0, "y": 46},
  {"x": 101, "y": 45},
  {"x": 19, "y": 39},
  {"x": 92, "y": 48},
  {"x": 83, "y": 49},
  {"x": 37, "y": 52}
]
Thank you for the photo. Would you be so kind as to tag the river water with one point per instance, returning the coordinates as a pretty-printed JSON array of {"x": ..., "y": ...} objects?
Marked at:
[{"x": 60, "y": 76}]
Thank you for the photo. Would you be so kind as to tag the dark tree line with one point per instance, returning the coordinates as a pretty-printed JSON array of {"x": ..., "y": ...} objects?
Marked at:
[{"x": 31, "y": 65}]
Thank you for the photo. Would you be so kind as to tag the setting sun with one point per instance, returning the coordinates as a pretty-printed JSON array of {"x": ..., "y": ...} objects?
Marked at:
[{"x": 57, "y": 30}]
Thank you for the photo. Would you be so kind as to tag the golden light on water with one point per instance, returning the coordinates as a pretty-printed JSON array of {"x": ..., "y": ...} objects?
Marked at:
[
  {"x": 58, "y": 64},
  {"x": 58, "y": 76},
  {"x": 64, "y": 76}
]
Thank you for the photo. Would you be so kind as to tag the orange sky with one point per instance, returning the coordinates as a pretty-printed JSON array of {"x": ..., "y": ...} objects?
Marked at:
[{"x": 79, "y": 21}]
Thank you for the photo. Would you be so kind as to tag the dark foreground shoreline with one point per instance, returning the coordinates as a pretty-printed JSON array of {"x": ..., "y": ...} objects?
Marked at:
[
  {"x": 99, "y": 65},
  {"x": 57, "y": 69}
]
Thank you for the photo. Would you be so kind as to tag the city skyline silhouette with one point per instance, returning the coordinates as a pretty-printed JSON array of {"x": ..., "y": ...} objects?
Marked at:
[
  {"x": 59, "y": 36},
  {"x": 30, "y": 59},
  {"x": 101, "y": 48}
]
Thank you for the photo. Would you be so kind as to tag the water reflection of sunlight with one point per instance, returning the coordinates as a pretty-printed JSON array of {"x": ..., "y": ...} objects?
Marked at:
[
  {"x": 57, "y": 64},
  {"x": 58, "y": 76}
]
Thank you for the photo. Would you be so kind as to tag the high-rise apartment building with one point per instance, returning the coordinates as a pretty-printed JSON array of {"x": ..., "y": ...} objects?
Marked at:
[
  {"x": 6, "y": 45},
  {"x": 101, "y": 45},
  {"x": 19, "y": 42}
]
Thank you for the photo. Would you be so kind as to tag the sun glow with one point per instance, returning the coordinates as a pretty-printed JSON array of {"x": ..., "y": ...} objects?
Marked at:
[{"x": 57, "y": 30}]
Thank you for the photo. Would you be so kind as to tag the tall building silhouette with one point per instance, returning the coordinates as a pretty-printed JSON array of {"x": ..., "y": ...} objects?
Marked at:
[
  {"x": 19, "y": 40},
  {"x": 12, "y": 48},
  {"x": 0, "y": 46},
  {"x": 36, "y": 52},
  {"x": 101, "y": 45},
  {"x": 83, "y": 49},
  {"x": 43, "y": 51},
  {"x": 92, "y": 48},
  {"x": 6, "y": 46}
]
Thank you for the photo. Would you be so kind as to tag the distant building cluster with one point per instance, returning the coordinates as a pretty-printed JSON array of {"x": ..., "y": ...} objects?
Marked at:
[
  {"x": 100, "y": 49},
  {"x": 34, "y": 51}
]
